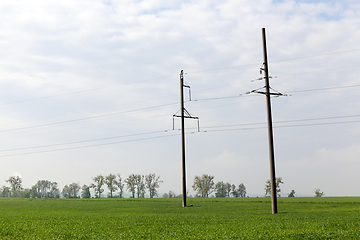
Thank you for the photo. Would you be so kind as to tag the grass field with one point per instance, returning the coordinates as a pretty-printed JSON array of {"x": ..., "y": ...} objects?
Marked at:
[{"x": 212, "y": 218}]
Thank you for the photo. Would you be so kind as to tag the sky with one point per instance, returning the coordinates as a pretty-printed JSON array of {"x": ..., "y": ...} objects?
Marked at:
[{"x": 90, "y": 87}]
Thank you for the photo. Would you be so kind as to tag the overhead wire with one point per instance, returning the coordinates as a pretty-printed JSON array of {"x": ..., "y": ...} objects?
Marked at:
[
  {"x": 152, "y": 107},
  {"x": 158, "y": 137},
  {"x": 77, "y": 112},
  {"x": 210, "y": 129},
  {"x": 86, "y": 118},
  {"x": 214, "y": 98},
  {"x": 321, "y": 70},
  {"x": 87, "y": 146},
  {"x": 284, "y": 126},
  {"x": 83, "y": 91},
  {"x": 324, "y": 88},
  {"x": 289, "y": 91},
  {"x": 83, "y": 141},
  {"x": 285, "y": 121},
  {"x": 318, "y": 55}
]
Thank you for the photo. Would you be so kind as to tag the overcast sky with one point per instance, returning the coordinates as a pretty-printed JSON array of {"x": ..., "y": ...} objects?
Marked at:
[{"x": 90, "y": 87}]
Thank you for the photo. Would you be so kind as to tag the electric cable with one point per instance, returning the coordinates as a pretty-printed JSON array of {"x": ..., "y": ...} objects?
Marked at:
[
  {"x": 83, "y": 141},
  {"x": 87, "y": 146},
  {"x": 85, "y": 118},
  {"x": 211, "y": 129},
  {"x": 319, "y": 55},
  {"x": 157, "y": 137},
  {"x": 83, "y": 91},
  {"x": 284, "y": 126}
]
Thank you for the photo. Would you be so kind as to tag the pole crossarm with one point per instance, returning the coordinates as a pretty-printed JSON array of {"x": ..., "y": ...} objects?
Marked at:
[
  {"x": 186, "y": 115},
  {"x": 265, "y": 93}
]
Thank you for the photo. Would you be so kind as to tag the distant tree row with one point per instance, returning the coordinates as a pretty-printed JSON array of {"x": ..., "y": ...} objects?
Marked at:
[
  {"x": 135, "y": 184},
  {"x": 279, "y": 181},
  {"x": 205, "y": 185}
]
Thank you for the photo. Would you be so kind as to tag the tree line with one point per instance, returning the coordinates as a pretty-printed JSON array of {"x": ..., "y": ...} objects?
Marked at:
[
  {"x": 204, "y": 185},
  {"x": 278, "y": 181},
  {"x": 138, "y": 185}
]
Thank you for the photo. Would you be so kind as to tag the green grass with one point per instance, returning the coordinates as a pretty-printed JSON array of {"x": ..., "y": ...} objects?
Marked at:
[{"x": 212, "y": 218}]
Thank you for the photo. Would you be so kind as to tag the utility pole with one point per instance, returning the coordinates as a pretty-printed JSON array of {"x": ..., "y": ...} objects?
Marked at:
[
  {"x": 183, "y": 139},
  {"x": 184, "y": 114},
  {"x": 270, "y": 128}
]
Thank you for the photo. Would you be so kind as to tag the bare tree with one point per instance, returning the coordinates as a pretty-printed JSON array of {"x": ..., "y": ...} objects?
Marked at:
[
  {"x": 292, "y": 193},
  {"x": 220, "y": 189},
  {"x": 234, "y": 191},
  {"x": 66, "y": 191},
  {"x": 242, "y": 190},
  {"x": 71, "y": 191},
  {"x": 171, "y": 194},
  {"x": 15, "y": 185},
  {"x": 120, "y": 185},
  {"x": 203, "y": 185},
  {"x": 228, "y": 189},
  {"x": 131, "y": 184},
  {"x": 152, "y": 183},
  {"x": 140, "y": 185},
  {"x": 54, "y": 190},
  {"x": 41, "y": 189},
  {"x": 318, "y": 193},
  {"x": 74, "y": 189},
  {"x": 112, "y": 184},
  {"x": 85, "y": 191},
  {"x": 5, "y": 191},
  {"x": 277, "y": 183},
  {"x": 97, "y": 186}
]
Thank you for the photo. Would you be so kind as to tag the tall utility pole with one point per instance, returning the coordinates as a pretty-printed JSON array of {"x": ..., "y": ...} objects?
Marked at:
[
  {"x": 184, "y": 114},
  {"x": 270, "y": 128},
  {"x": 183, "y": 138}
]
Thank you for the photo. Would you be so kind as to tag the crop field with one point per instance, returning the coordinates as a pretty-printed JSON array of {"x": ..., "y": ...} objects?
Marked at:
[{"x": 161, "y": 218}]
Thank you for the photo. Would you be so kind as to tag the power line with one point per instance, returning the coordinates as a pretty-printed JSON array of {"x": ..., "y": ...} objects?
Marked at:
[
  {"x": 86, "y": 118},
  {"x": 325, "y": 88},
  {"x": 193, "y": 132},
  {"x": 319, "y": 55},
  {"x": 83, "y": 91},
  {"x": 285, "y": 121},
  {"x": 211, "y": 129},
  {"x": 284, "y": 126},
  {"x": 321, "y": 70},
  {"x": 87, "y": 146},
  {"x": 83, "y": 141},
  {"x": 85, "y": 111},
  {"x": 196, "y": 100},
  {"x": 290, "y": 91}
]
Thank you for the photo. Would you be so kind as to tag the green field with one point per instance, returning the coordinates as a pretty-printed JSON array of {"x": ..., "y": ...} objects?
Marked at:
[{"x": 212, "y": 218}]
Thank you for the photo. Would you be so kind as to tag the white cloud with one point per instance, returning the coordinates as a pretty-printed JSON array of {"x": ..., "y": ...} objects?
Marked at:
[{"x": 55, "y": 47}]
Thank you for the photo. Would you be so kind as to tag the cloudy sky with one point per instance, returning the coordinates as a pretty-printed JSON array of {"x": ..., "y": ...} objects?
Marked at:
[{"x": 90, "y": 87}]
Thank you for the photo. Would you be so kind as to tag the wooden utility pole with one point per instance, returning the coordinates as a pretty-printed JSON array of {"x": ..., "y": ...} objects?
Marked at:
[
  {"x": 183, "y": 138},
  {"x": 184, "y": 114},
  {"x": 270, "y": 128}
]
